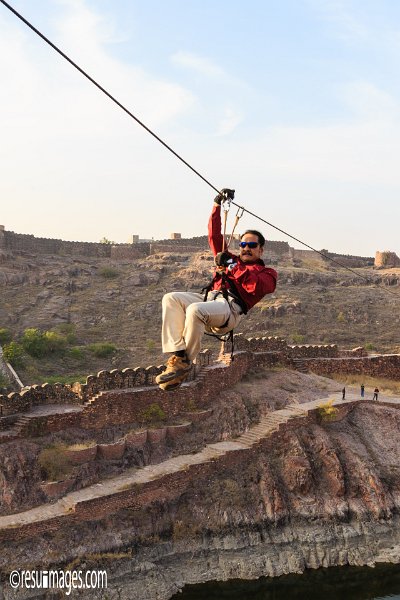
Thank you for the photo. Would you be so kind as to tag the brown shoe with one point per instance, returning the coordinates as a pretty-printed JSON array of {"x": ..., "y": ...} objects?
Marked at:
[
  {"x": 176, "y": 367},
  {"x": 173, "y": 383}
]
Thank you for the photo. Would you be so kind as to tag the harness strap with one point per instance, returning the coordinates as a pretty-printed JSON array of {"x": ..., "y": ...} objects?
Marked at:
[
  {"x": 228, "y": 294},
  {"x": 229, "y": 336},
  {"x": 239, "y": 214}
]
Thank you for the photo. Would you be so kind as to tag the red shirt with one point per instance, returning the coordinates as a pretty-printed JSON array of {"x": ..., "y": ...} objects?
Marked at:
[{"x": 252, "y": 280}]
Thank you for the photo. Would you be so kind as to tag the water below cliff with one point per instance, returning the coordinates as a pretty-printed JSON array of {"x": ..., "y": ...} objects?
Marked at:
[{"x": 352, "y": 583}]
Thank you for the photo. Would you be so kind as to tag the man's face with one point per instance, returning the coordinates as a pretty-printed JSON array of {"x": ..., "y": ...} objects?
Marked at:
[{"x": 247, "y": 254}]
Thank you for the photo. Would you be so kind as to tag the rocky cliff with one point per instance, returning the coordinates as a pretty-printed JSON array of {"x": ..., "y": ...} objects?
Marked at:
[
  {"x": 119, "y": 301},
  {"x": 311, "y": 494}
]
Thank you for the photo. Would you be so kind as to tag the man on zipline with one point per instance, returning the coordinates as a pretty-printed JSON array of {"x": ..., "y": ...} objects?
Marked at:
[{"x": 238, "y": 284}]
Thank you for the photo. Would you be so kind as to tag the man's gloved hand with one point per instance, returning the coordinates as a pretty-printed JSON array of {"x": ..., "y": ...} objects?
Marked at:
[
  {"x": 223, "y": 259},
  {"x": 224, "y": 195}
]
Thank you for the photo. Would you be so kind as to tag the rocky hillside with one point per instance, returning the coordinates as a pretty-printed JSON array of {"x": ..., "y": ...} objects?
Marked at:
[
  {"x": 119, "y": 302},
  {"x": 316, "y": 493}
]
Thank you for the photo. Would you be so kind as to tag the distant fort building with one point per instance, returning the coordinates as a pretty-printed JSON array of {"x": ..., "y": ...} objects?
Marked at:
[
  {"x": 138, "y": 247},
  {"x": 386, "y": 260},
  {"x": 135, "y": 239}
]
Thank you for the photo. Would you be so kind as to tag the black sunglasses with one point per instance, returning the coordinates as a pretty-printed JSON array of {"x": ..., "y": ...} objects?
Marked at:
[{"x": 249, "y": 244}]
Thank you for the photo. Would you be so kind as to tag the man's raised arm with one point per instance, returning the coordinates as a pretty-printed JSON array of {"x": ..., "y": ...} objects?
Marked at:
[{"x": 215, "y": 237}]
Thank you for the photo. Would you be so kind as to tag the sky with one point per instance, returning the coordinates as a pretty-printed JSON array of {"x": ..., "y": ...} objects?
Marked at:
[{"x": 293, "y": 103}]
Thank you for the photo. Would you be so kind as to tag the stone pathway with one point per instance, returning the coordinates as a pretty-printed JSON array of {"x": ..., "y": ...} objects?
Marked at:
[
  {"x": 266, "y": 426},
  {"x": 42, "y": 410}
]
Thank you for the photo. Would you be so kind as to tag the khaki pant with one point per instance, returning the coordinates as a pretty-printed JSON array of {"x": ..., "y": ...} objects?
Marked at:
[{"x": 185, "y": 317}]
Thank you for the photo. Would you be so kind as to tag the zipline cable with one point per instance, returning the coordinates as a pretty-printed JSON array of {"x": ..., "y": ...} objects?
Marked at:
[{"x": 111, "y": 97}]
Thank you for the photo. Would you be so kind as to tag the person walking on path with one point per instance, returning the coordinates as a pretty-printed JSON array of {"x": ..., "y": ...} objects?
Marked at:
[
  {"x": 376, "y": 392},
  {"x": 343, "y": 393},
  {"x": 362, "y": 390},
  {"x": 239, "y": 282}
]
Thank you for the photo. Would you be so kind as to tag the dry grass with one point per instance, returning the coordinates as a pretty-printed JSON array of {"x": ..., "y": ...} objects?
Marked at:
[
  {"x": 83, "y": 445},
  {"x": 326, "y": 411},
  {"x": 390, "y": 387},
  {"x": 54, "y": 464}
]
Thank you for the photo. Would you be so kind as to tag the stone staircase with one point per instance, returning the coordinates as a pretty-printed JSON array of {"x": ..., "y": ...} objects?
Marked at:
[
  {"x": 300, "y": 365},
  {"x": 93, "y": 399},
  {"x": 134, "y": 476},
  {"x": 16, "y": 430},
  {"x": 114, "y": 487},
  {"x": 20, "y": 425}
]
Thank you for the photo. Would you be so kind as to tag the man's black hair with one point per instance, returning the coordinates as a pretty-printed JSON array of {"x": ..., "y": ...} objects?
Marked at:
[{"x": 261, "y": 238}]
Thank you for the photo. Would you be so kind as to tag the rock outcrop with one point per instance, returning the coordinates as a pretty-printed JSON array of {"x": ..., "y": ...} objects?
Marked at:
[{"x": 311, "y": 494}]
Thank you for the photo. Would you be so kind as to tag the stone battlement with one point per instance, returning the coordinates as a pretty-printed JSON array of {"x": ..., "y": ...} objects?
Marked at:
[
  {"x": 105, "y": 398},
  {"x": 386, "y": 366},
  {"x": 18, "y": 242}
]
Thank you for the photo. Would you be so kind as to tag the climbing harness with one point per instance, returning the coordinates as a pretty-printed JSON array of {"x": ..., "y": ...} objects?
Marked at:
[
  {"x": 239, "y": 215},
  {"x": 226, "y": 210},
  {"x": 228, "y": 288}
]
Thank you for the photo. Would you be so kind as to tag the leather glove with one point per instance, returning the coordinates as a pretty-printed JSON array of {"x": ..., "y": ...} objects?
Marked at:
[
  {"x": 223, "y": 259},
  {"x": 224, "y": 195}
]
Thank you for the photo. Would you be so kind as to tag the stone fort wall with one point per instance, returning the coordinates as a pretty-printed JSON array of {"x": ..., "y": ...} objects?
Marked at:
[
  {"x": 174, "y": 484},
  {"x": 385, "y": 260},
  {"x": 100, "y": 388},
  {"x": 385, "y": 366},
  {"x": 18, "y": 242}
]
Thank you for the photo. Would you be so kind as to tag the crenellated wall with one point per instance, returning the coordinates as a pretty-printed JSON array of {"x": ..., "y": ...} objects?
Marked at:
[
  {"x": 126, "y": 406},
  {"x": 29, "y": 243},
  {"x": 106, "y": 397},
  {"x": 77, "y": 393},
  {"x": 386, "y": 366},
  {"x": 274, "y": 250},
  {"x": 310, "y": 351},
  {"x": 260, "y": 344}
]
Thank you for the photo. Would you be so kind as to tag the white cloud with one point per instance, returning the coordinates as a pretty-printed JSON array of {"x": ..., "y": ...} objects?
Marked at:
[
  {"x": 343, "y": 15},
  {"x": 230, "y": 120},
  {"x": 368, "y": 101},
  {"x": 199, "y": 64}
]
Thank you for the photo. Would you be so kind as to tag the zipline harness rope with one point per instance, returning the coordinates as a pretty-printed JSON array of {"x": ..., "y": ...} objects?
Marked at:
[{"x": 241, "y": 209}]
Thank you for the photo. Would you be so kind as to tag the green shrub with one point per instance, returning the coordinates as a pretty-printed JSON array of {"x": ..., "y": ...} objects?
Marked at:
[
  {"x": 33, "y": 342},
  {"x": 39, "y": 343},
  {"x": 102, "y": 349},
  {"x": 5, "y": 336},
  {"x": 54, "y": 342},
  {"x": 54, "y": 463},
  {"x": 369, "y": 346},
  {"x": 108, "y": 273},
  {"x": 298, "y": 338},
  {"x": 340, "y": 318},
  {"x": 68, "y": 331},
  {"x": 152, "y": 414},
  {"x": 150, "y": 345},
  {"x": 76, "y": 352},
  {"x": 14, "y": 354}
]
